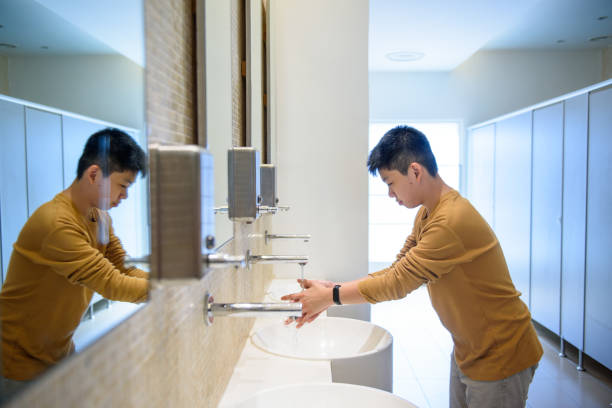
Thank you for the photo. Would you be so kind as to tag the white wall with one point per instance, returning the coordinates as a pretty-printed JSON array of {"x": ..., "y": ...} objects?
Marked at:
[
  {"x": 607, "y": 63},
  {"x": 489, "y": 84},
  {"x": 320, "y": 104},
  {"x": 109, "y": 88}
]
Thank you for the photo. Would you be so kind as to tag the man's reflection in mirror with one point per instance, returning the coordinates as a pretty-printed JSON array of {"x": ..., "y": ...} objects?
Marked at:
[{"x": 65, "y": 252}]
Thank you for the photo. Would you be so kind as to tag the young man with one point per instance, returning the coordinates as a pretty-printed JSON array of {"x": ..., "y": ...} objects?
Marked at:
[
  {"x": 66, "y": 251},
  {"x": 456, "y": 254}
]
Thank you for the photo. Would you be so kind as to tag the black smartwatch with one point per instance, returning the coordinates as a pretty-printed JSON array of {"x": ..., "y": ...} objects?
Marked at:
[{"x": 336, "y": 294}]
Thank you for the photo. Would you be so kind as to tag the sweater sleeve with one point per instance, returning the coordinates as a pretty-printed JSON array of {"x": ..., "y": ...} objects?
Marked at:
[
  {"x": 67, "y": 251},
  {"x": 438, "y": 251},
  {"x": 410, "y": 243},
  {"x": 116, "y": 254}
]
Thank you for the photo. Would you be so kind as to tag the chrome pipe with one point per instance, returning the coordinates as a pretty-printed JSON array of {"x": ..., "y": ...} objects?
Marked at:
[
  {"x": 288, "y": 236},
  {"x": 221, "y": 210},
  {"x": 144, "y": 260},
  {"x": 223, "y": 260},
  {"x": 273, "y": 259},
  {"x": 263, "y": 209},
  {"x": 212, "y": 310},
  {"x": 268, "y": 237}
]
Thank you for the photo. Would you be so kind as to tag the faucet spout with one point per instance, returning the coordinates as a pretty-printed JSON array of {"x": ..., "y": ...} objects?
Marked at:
[
  {"x": 224, "y": 260},
  {"x": 143, "y": 260},
  {"x": 248, "y": 309},
  {"x": 273, "y": 259},
  {"x": 268, "y": 236}
]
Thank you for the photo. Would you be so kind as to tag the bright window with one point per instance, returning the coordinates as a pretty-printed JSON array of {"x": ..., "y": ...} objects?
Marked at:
[{"x": 390, "y": 224}]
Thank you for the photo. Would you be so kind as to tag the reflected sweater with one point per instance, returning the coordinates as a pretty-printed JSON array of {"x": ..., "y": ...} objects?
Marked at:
[
  {"x": 457, "y": 255},
  {"x": 56, "y": 265}
]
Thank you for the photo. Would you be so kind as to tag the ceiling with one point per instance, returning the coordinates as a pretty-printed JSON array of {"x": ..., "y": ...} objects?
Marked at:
[
  {"x": 448, "y": 32},
  {"x": 68, "y": 27},
  {"x": 445, "y": 32}
]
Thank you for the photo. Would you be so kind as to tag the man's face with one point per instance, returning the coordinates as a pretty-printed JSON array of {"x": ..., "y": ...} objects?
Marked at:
[
  {"x": 402, "y": 187},
  {"x": 113, "y": 189}
]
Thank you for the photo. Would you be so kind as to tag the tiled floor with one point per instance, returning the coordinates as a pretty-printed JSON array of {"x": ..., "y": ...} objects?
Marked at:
[{"x": 422, "y": 348}]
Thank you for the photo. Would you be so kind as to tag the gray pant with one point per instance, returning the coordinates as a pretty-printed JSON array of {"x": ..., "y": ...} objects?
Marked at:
[{"x": 510, "y": 392}]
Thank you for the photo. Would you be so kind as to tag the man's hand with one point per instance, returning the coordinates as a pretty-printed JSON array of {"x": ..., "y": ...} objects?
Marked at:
[{"x": 315, "y": 298}]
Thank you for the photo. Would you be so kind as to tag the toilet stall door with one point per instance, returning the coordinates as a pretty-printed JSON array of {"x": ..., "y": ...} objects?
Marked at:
[
  {"x": 13, "y": 187},
  {"x": 547, "y": 181},
  {"x": 598, "y": 320},
  {"x": 44, "y": 157}
]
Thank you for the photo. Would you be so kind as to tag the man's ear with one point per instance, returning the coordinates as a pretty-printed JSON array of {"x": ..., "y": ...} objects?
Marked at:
[
  {"x": 417, "y": 169},
  {"x": 92, "y": 172}
]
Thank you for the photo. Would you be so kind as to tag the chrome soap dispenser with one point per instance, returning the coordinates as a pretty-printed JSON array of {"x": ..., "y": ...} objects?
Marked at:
[
  {"x": 268, "y": 185},
  {"x": 243, "y": 184},
  {"x": 182, "y": 213}
]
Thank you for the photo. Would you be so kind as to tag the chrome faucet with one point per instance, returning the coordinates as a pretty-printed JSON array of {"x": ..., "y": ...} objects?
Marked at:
[
  {"x": 261, "y": 209},
  {"x": 131, "y": 261},
  {"x": 217, "y": 260},
  {"x": 273, "y": 259},
  {"x": 212, "y": 309},
  {"x": 268, "y": 237},
  {"x": 214, "y": 260}
]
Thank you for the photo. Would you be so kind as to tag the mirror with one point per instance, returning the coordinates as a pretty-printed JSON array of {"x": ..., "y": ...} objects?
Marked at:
[
  {"x": 255, "y": 70},
  {"x": 218, "y": 90},
  {"x": 67, "y": 70},
  {"x": 270, "y": 92}
]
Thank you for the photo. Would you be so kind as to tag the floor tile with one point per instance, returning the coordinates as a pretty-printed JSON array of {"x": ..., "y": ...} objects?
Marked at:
[
  {"x": 587, "y": 391},
  {"x": 545, "y": 393}
]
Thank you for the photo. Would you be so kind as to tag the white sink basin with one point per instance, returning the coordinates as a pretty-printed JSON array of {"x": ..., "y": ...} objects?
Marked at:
[
  {"x": 360, "y": 352},
  {"x": 323, "y": 395},
  {"x": 324, "y": 339}
]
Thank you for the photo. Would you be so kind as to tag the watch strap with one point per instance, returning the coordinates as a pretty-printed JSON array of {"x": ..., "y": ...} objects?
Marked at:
[{"x": 336, "y": 294}]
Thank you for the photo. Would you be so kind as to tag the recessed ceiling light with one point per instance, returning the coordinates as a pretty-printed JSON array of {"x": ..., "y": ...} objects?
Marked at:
[
  {"x": 6, "y": 45},
  {"x": 403, "y": 56},
  {"x": 602, "y": 37}
]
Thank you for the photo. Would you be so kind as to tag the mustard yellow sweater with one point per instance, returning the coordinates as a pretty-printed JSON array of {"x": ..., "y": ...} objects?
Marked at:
[
  {"x": 56, "y": 265},
  {"x": 456, "y": 254}
]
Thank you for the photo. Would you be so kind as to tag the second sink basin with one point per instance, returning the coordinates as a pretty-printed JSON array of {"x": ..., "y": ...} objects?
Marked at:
[
  {"x": 323, "y": 395},
  {"x": 360, "y": 352}
]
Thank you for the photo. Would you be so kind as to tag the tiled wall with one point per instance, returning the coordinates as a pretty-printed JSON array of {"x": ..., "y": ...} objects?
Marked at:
[{"x": 164, "y": 355}]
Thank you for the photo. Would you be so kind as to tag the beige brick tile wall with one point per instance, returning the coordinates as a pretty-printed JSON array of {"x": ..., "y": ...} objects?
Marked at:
[
  {"x": 238, "y": 81},
  {"x": 164, "y": 355}
]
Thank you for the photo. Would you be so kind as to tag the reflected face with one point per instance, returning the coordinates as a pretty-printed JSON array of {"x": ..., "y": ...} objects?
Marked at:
[
  {"x": 402, "y": 187},
  {"x": 113, "y": 189}
]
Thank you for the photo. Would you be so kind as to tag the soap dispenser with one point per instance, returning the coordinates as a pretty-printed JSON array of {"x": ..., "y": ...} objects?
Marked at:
[
  {"x": 182, "y": 213},
  {"x": 244, "y": 196}
]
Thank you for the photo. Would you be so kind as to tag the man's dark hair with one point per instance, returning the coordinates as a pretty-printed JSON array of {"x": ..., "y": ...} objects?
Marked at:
[
  {"x": 400, "y": 147},
  {"x": 114, "y": 151}
]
